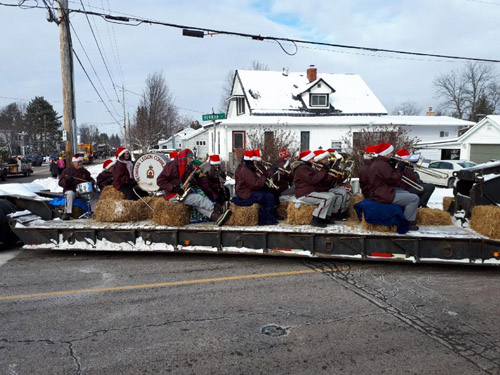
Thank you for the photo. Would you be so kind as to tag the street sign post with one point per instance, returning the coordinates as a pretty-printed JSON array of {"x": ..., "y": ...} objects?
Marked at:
[{"x": 213, "y": 116}]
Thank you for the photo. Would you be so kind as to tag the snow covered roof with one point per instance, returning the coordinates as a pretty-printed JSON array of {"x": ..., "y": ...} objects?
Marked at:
[
  {"x": 184, "y": 135},
  {"x": 348, "y": 120},
  {"x": 271, "y": 92}
]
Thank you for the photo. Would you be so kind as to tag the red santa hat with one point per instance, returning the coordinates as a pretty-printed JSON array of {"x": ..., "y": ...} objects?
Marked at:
[
  {"x": 403, "y": 153},
  {"x": 121, "y": 151},
  {"x": 257, "y": 155},
  {"x": 77, "y": 158},
  {"x": 306, "y": 155},
  {"x": 248, "y": 155},
  {"x": 370, "y": 152},
  {"x": 173, "y": 154},
  {"x": 384, "y": 148},
  {"x": 108, "y": 164},
  {"x": 320, "y": 155},
  {"x": 284, "y": 154},
  {"x": 331, "y": 151},
  {"x": 215, "y": 159}
]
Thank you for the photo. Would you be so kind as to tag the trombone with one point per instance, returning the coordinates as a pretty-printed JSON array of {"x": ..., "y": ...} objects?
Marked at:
[
  {"x": 332, "y": 172},
  {"x": 417, "y": 165},
  {"x": 269, "y": 182},
  {"x": 411, "y": 183}
]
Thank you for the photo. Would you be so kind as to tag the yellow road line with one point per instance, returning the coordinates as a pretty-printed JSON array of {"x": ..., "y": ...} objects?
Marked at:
[{"x": 166, "y": 284}]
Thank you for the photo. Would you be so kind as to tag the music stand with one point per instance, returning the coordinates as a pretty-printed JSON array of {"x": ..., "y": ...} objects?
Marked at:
[{"x": 88, "y": 214}]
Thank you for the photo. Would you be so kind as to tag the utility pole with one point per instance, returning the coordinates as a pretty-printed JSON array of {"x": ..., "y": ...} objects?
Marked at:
[
  {"x": 67, "y": 78},
  {"x": 124, "y": 120},
  {"x": 44, "y": 135}
]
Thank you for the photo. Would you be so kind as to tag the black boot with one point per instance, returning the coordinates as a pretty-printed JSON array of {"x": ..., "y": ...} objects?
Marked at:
[
  {"x": 317, "y": 222},
  {"x": 66, "y": 216},
  {"x": 220, "y": 218},
  {"x": 413, "y": 226}
]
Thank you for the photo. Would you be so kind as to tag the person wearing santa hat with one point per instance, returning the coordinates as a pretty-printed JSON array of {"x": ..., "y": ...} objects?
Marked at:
[
  {"x": 310, "y": 183},
  {"x": 283, "y": 176},
  {"x": 72, "y": 176},
  {"x": 423, "y": 195},
  {"x": 384, "y": 181},
  {"x": 250, "y": 188},
  {"x": 173, "y": 180},
  {"x": 105, "y": 178},
  {"x": 368, "y": 156},
  {"x": 123, "y": 178},
  {"x": 212, "y": 181}
]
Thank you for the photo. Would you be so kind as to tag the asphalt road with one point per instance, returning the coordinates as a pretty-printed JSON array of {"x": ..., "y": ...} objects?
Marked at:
[{"x": 137, "y": 313}]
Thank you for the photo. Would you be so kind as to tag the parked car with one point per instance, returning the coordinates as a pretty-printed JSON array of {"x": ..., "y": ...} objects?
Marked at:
[
  {"x": 444, "y": 170},
  {"x": 35, "y": 159}
]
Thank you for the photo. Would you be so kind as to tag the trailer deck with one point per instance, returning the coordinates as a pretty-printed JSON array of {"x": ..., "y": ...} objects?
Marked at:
[{"x": 431, "y": 244}]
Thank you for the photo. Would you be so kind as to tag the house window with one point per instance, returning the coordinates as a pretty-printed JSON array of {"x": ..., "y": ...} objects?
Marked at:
[
  {"x": 238, "y": 140},
  {"x": 444, "y": 134},
  {"x": 240, "y": 106},
  {"x": 451, "y": 154},
  {"x": 304, "y": 141},
  {"x": 336, "y": 145},
  {"x": 318, "y": 100}
]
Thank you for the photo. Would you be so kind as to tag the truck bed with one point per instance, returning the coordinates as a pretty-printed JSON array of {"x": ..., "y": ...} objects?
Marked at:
[{"x": 348, "y": 240}]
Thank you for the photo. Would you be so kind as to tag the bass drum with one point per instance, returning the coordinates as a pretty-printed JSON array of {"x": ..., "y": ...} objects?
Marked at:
[{"x": 147, "y": 169}]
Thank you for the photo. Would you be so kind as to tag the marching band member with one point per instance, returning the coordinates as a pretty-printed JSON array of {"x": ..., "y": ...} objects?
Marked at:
[
  {"x": 174, "y": 180},
  {"x": 409, "y": 172},
  {"x": 384, "y": 182},
  {"x": 250, "y": 183},
  {"x": 368, "y": 156},
  {"x": 173, "y": 155},
  {"x": 283, "y": 176},
  {"x": 105, "y": 178},
  {"x": 212, "y": 182},
  {"x": 70, "y": 178},
  {"x": 310, "y": 185}
]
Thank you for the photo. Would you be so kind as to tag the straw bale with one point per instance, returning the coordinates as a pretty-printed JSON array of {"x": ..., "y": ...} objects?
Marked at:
[
  {"x": 486, "y": 221},
  {"x": 109, "y": 192},
  {"x": 144, "y": 211},
  {"x": 301, "y": 215},
  {"x": 282, "y": 209},
  {"x": 244, "y": 216},
  {"x": 171, "y": 214},
  {"x": 431, "y": 216},
  {"x": 116, "y": 210},
  {"x": 378, "y": 228},
  {"x": 447, "y": 202},
  {"x": 352, "y": 213}
]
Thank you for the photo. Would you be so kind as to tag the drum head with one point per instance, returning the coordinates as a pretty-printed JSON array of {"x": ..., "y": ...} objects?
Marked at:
[{"x": 147, "y": 169}]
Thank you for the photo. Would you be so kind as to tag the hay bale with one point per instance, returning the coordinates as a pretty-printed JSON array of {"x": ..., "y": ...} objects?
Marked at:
[
  {"x": 282, "y": 209},
  {"x": 144, "y": 211},
  {"x": 447, "y": 202},
  {"x": 352, "y": 213},
  {"x": 244, "y": 216},
  {"x": 378, "y": 228},
  {"x": 171, "y": 214},
  {"x": 485, "y": 220},
  {"x": 117, "y": 211},
  {"x": 301, "y": 215},
  {"x": 109, "y": 192},
  {"x": 431, "y": 216}
]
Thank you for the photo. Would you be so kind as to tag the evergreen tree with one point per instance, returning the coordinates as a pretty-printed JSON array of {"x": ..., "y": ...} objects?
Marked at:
[{"x": 43, "y": 126}]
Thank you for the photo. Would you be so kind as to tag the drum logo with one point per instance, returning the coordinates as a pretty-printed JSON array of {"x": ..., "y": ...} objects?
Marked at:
[{"x": 150, "y": 172}]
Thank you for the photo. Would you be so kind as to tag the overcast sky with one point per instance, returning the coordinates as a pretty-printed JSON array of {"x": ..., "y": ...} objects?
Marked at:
[{"x": 195, "y": 68}]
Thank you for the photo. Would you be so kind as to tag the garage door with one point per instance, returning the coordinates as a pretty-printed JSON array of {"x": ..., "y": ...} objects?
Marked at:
[{"x": 484, "y": 153}]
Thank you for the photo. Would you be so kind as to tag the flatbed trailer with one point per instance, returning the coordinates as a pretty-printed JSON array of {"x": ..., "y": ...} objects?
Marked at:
[{"x": 431, "y": 244}]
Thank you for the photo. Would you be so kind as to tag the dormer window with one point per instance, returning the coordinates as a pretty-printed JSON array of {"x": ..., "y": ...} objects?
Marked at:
[
  {"x": 240, "y": 105},
  {"x": 318, "y": 100}
]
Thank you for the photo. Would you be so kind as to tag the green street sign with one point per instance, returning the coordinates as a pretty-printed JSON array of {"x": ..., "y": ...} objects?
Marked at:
[{"x": 213, "y": 116}]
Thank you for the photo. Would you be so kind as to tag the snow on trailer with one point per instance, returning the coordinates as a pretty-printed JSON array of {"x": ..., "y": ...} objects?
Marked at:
[{"x": 449, "y": 244}]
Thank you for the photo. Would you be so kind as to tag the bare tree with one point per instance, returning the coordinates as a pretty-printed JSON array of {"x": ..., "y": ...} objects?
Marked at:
[
  {"x": 462, "y": 91},
  {"x": 272, "y": 139},
  {"x": 156, "y": 117},
  {"x": 408, "y": 108},
  {"x": 359, "y": 139}
]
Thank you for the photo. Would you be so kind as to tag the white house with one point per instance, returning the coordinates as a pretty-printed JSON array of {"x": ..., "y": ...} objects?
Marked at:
[
  {"x": 479, "y": 144},
  {"x": 194, "y": 139},
  {"x": 320, "y": 109}
]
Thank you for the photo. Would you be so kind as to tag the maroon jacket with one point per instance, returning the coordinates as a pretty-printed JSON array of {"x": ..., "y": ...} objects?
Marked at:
[
  {"x": 104, "y": 179},
  {"x": 364, "y": 182},
  {"x": 247, "y": 181},
  {"x": 308, "y": 179},
  {"x": 210, "y": 183},
  {"x": 383, "y": 180},
  {"x": 79, "y": 175},
  {"x": 169, "y": 177},
  {"x": 283, "y": 180},
  {"x": 121, "y": 175}
]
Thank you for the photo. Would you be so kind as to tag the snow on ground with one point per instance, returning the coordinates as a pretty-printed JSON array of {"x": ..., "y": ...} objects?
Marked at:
[{"x": 437, "y": 196}]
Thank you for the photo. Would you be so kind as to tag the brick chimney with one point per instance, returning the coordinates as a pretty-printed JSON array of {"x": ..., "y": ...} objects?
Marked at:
[
  {"x": 430, "y": 112},
  {"x": 312, "y": 73}
]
